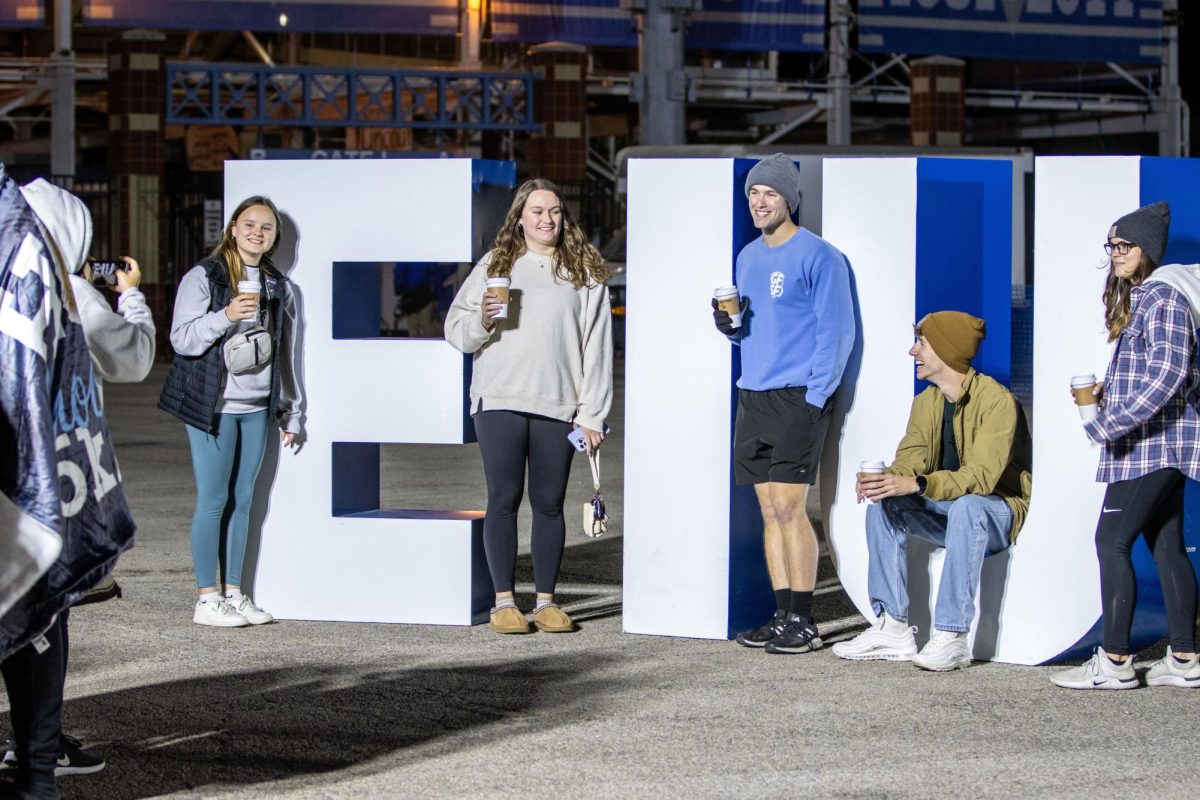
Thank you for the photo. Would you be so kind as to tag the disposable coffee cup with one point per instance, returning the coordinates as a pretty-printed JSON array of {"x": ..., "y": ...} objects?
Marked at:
[
  {"x": 499, "y": 287},
  {"x": 729, "y": 302},
  {"x": 871, "y": 467},
  {"x": 1083, "y": 386},
  {"x": 250, "y": 287}
]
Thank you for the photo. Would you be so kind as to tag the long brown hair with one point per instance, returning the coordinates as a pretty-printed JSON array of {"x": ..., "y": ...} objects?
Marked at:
[
  {"x": 227, "y": 249},
  {"x": 575, "y": 259},
  {"x": 1116, "y": 295}
]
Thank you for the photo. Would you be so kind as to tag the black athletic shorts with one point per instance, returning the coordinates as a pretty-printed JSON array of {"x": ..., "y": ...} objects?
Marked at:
[{"x": 778, "y": 437}]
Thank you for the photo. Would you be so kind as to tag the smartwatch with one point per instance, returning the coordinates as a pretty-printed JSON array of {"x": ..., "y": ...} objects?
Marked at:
[{"x": 922, "y": 484}]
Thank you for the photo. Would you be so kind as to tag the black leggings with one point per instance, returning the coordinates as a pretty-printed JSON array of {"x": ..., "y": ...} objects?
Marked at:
[
  {"x": 1151, "y": 505},
  {"x": 507, "y": 440},
  {"x": 35, "y": 696}
]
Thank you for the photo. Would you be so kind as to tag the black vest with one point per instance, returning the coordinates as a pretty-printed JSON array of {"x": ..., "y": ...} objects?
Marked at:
[{"x": 194, "y": 383}]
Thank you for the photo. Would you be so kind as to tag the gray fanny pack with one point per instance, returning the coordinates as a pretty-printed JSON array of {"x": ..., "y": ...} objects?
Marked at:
[{"x": 248, "y": 350}]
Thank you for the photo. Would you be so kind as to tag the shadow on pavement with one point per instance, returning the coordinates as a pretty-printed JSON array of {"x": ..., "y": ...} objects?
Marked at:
[{"x": 241, "y": 729}]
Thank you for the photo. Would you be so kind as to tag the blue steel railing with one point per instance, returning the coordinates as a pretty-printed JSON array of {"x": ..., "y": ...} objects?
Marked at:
[{"x": 287, "y": 96}]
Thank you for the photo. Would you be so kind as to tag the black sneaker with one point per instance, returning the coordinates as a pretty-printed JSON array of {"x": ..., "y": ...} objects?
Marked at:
[
  {"x": 758, "y": 637},
  {"x": 74, "y": 760},
  {"x": 799, "y": 635}
]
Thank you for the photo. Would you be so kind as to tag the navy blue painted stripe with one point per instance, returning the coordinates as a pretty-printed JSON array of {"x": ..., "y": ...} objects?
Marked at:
[
  {"x": 964, "y": 251},
  {"x": 750, "y": 598}
]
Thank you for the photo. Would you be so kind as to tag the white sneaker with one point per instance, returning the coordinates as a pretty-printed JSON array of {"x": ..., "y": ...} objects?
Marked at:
[
  {"x": 1098, "y": 673},
  {"x": 1167, "y": 672},
  {"x": 945, "y": 650},
  {"x": 881, "y": 642},
  {"x": 253, "y": 614},
  {"x": 218, "y": 614}
]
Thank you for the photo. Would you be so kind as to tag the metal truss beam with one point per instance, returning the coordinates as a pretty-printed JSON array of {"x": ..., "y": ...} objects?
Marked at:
[{"x": 290, "y": 96}]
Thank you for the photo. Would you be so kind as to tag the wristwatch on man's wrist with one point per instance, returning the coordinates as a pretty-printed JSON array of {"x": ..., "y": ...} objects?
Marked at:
[{"x": 922, "y": 484}]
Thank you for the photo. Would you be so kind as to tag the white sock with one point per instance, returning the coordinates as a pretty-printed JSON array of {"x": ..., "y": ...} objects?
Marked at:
[
  {"x": 210, "y": 597},
  {"x": 509, "y": 603},
  {"x": 893, "y": 625},
  {"x": 234, "y": 596},
  {"x": 542, "y": 604}
]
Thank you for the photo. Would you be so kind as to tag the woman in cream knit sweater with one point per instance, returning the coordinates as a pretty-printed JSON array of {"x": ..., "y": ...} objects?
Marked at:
[{"x": 540, "y": 372}]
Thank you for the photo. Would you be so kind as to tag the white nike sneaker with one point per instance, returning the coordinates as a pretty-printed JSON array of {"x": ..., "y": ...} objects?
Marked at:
[
  {"x": 1167, "y": 671},
  {"x": 945, "y": 650},
  {"x": 218, "y": 614},
  {"x": 1099, "y": 672},
  {"x": 253, "y": 614},
  {"x": 880, "y": 642}
]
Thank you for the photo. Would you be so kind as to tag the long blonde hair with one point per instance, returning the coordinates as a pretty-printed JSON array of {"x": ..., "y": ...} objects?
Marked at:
[
  {"x": 575, "y": 259},
  {"x": 1116, "y": 295},
  {"x": 227, "y": 249}
]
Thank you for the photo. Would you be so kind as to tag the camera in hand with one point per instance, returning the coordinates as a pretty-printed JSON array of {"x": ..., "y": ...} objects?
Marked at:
[{"x": 104, "y": 271}]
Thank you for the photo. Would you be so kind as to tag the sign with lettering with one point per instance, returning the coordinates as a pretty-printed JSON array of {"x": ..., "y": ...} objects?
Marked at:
[
  {"x": 1125, "y": 31},
  {"x": 792, "y": 25}
]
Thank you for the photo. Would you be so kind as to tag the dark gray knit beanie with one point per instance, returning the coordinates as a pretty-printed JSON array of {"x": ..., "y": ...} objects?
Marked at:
[
  {"x": 780, "y": 173},
  {"x": 1147, "y": 228}
]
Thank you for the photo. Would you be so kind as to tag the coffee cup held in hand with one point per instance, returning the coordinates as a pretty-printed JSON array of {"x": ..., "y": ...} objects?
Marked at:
[
  {"x": 871, "y": 467},
  {"x": 729, "y": 302},
  {"x": 249, "y": 288},
  {"x": 1083, "y": 387},
  {"x": 499, "y": 287}
]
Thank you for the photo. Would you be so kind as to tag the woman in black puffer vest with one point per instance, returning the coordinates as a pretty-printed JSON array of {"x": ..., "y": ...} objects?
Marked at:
[{"x": 226, "y": 414}]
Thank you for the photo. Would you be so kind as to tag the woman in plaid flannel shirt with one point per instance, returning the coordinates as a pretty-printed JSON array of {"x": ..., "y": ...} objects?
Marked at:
[{"x": 1149, "y": 427}]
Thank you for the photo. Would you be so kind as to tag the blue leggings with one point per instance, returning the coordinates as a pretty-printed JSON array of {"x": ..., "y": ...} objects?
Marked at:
[{"x": 236, "y": 451}]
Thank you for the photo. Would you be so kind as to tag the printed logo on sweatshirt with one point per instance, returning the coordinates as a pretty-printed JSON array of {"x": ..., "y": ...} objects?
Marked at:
[{"x": 776, "y": 284}]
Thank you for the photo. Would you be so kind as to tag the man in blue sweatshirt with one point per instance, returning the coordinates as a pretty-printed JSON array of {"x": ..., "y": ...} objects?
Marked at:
[{"x": 796, "y": 334}]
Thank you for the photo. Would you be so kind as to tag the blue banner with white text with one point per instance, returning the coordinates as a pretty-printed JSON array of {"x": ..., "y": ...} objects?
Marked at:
[
  {"x": 1124, "y": 31},
  {"x": 790, "y": 25}
]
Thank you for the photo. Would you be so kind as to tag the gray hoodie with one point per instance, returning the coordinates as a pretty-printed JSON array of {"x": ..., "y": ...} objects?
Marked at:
[{"x": 121, "y": 344}]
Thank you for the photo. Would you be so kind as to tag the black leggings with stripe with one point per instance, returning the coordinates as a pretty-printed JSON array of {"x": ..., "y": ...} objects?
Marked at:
[{"x": 1151, "y": 505}]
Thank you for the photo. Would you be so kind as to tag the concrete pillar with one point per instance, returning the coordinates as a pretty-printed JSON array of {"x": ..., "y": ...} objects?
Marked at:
[
  {"x": 661, "y": 86},
  {"x": 136, "y": 106},
  {"x": 62, "y": 111},
  {"x": 837, "y": 120},
  {"x": 1170, "y": 133},
  {"x": 936, "y": 114},
  {"x": 559, "y": 150}
]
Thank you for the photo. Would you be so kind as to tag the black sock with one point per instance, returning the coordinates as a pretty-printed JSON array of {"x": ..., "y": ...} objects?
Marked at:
[
  {"x": 1178, "y": 660},
  {"x": 783, "y": 599},
  {"x": 802, "y": 604}
]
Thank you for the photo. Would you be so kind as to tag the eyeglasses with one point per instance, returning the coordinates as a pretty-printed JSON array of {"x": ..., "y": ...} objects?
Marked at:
[{"x": 1120, "y": 248}]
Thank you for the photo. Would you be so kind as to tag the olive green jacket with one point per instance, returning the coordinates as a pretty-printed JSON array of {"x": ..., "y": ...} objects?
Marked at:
[{"x": 994, "y": 448}]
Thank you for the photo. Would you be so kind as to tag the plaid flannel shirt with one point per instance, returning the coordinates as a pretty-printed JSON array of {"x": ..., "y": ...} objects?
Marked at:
[{"x": 1148, "y": 416}]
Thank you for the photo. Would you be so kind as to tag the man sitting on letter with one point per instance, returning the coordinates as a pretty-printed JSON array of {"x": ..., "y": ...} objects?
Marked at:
[{"x": 960, "y": 479}]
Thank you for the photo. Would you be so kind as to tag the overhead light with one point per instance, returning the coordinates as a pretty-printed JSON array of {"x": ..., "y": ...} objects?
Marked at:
[{"x": 282, "y": 20}]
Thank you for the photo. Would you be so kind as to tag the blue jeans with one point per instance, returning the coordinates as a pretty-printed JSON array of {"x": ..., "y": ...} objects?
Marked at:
[
  {"x": 969, "y": 527},
  {"x": 234, "y": 453}
]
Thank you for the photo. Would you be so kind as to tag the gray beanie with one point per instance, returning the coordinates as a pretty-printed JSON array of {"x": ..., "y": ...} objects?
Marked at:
[
  {"x": 1147, "y": 228},
  {"x": 780, "y": 173}
]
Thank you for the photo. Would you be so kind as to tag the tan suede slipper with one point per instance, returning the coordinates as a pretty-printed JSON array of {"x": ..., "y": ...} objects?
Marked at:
[
  {"x": 552, "y": 619},
  {"x": 509, "y": 620}
]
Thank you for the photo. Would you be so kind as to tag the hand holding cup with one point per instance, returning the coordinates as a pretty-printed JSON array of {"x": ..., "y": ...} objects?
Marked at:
[
  {"x": 866, "y": 468},
  {"x": 1087, "y": 395},
  {"x": 495, "y": 301}
]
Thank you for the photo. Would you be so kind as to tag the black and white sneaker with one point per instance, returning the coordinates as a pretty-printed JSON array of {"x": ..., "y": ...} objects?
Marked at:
[
  {"x": 758, "y": 637},
  {"x": 799, "y": 635},
  {"x": 72, "y": 758}
]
